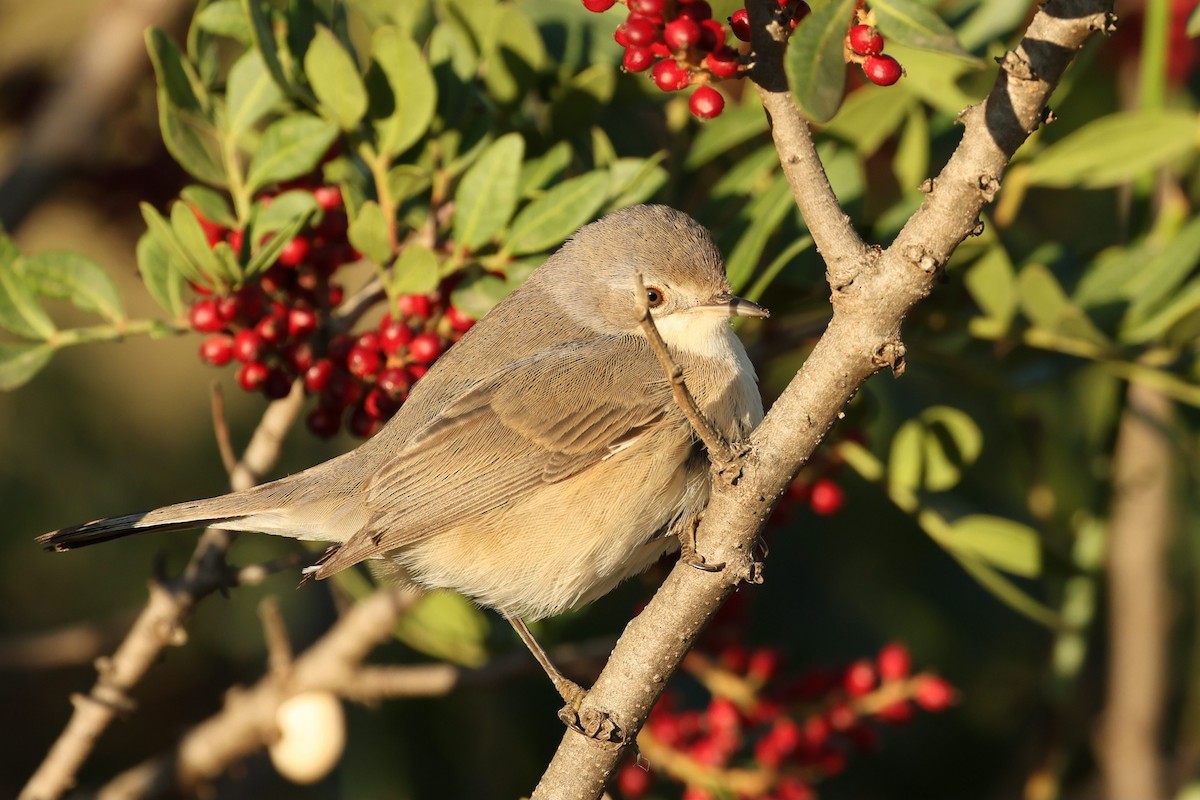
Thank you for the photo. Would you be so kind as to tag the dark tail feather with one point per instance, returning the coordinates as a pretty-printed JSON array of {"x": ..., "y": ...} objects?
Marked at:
[{"x": 103, "y": 530}]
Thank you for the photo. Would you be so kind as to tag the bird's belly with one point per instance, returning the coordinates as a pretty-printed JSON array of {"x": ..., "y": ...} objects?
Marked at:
[{"x": 572, "y": 541}]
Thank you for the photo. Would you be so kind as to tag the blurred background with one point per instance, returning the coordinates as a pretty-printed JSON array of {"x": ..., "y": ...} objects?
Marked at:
[{"x": 117, "y": 427}]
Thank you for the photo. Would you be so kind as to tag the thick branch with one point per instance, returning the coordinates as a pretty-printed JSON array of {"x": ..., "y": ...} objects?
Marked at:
[{"x": 862, "y": 338}]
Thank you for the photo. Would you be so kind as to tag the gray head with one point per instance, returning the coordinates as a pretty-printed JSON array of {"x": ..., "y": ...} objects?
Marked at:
[{"x": 593, "y": 275}]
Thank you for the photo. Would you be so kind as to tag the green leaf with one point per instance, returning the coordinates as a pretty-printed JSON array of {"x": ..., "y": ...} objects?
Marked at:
[
  {"x": 1006, "y": 544},
  {"x": 162, "y": 280},
  {"x": 20, "y": 361},
  {"x": 1153, "y": 325},
  {"x": 869, "y": 116},
  {"x": 915, "y": 25},
  {"x": 270, "y": 250},
  {"x": 448, "y": 627},
  {"x": 718, "y": 136},
  {"x": 415, "y": 271},
  {"x": 71, "y": 276},
  {"x": 766, "y": 213},
  {"x": 176, "y": 77},
  {"x": 20, "y": 311},
  {"x": 1193, "y": 23},
  {"x": 263, "y": 29},
  {"x": 1115, "y": 149},
  {"x": 582, "y": 100},
  {"x": 558, "y": 213},
  {"x": 164, "y": 234},
  {"x": 515, "y": 56},
  {"x": 930, "y": 452},
  {"x": 911, "y": 162},
  {"x": 250, "y": 92},
  {"x": 940, "y": 79},
  {"x": 479, "y": 292},
  {"x": 333, "y": 75},
  {"x": 284, "y": 209},
  {"x": 193, "y": 142},
  {"x": 195, "y": 244},
  {"x": 414, "y": 92},
  {"x": 992, "y": 282},
  {"x": 635, "y": 180},
  {"x": 407, "y": 180},
  {"x": 368, "y": 233},
  {"x": 211, "y": 204},
  {"x": 537, "y": 172},
  {"x": 487, "y": 194},
  {"x": 225, "y": 18},
  {"x": 1042, "y": 298},
  {"x": 814, "y": 62},
  {"x": 290, "y": 148}
]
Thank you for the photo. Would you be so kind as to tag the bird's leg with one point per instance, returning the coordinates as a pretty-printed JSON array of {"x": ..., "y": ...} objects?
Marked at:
[
  {"x": 688, "y": 549},
  {"x": 572, "y": 693}
]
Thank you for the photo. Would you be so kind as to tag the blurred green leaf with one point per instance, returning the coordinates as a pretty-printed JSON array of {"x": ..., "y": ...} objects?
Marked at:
[
  {"x": 990, "y": 19},
  {"x": 1007, "y": 544},
  {"x": 870, "y": 116},
  {"x": 225, "y": 18},
  {"x": 177, "y": 253},
  {"x": 177, "y": 80},
  {"x": 446, "y": 626},
  {"x": 537, "y": 172},
  {"x": 582, "y": 100},
  {"x": 267, "y": 254},
  {"x": 333, "y": 75},
  {"x": 284, "y": 209},
  {"x": 415, "y": 271},
  {"x": 1193, "y": 23},
  {"x": 1115, "y": 149},
  {"x": 20, "y": 311},
  {"x": 736, "y": 125},
  {"x": 911, "y": 162},
  {"x": 407, "y": 180},
  {"x": 478, "y": 292},
  {"x": 814, "y": 62},
  {"x": 1153, "y": 323},
  {"x": 635, "y": 180},
  {"x": 414, "y": 91},
  {"x": 250, "y": 92},
  {"x": 915, "y": 25},
  {"x": 930, "y": 452},
  {"x": 765, "y": 213},
  {"x": 163, "y": 281},
  {"x": 211, "y": 204},
  {"x": 368, "y": 233},
  {"x": 515, "y": 56},
  {"x": 487, "y": 194},
  {"x": 938, "y": 78},
  {"x": 1044, "y": 302},
  {"x": 20, "y": 361},
  {"x": 263, "y": 30},
  {"x": 992, "y": 282},
  {"x": 290, "y": 147},
  {"x": 195, "y": 244},
  {"x": 183, "y": 112},
  {"x": 558, "y": 213},
  {"x": 71, "y": 276}
]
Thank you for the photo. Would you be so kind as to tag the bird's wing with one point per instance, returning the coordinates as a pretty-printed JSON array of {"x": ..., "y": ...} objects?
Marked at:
[{"x": 541, "y": 420}]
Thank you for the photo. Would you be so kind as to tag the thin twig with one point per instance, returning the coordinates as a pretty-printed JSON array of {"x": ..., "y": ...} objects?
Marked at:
[
  {"x": 279, "y": 649},
  {"x": 719, "y": 451},
  {"x": 221, "y": 428}
]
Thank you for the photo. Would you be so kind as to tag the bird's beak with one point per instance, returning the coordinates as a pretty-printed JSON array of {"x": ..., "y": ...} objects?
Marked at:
[{"x": 735, "y": 306}]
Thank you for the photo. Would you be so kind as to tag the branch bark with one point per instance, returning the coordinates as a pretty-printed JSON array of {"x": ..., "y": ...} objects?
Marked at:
[{"x": 862, "y": 338}]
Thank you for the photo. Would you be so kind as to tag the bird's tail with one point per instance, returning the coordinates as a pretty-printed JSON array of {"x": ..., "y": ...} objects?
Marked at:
[{"x": 215, "y": 511}]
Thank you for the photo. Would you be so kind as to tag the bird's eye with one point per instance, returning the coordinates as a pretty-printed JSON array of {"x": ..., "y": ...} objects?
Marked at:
[{"x": 654, "y": 296}]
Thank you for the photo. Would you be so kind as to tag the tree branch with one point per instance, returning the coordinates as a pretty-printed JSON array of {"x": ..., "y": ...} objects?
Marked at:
[{"x": 863, "y": 337}]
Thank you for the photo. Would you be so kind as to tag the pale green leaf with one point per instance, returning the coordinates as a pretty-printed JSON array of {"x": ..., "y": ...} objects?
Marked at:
[
  {"x": 414, "y": 92},
  {"x": 74, "y": 277},
  {"x": 814, "y": 62},
  {"x": 333, "y": 75},
  {"x": 250, "y": 92},
  {"x": 20, "y": 361},
  {"x": 487, "y": 194},
  {"x": 554, "y": 216},
  {"x": 163, "y": 281},
  {"x": 1004, "y": 543},
  {"x": 912, "y": 24},
  {"x": 20, "y": 312},
  {"x": 414, "y": 272},
  {"x": 368, "y": 233},
  {"x": 289, "y": 148}
]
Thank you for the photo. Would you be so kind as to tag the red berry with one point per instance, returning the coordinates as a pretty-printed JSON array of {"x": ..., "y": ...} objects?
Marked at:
[
  {"x": 278, "y": 383},
  {"x": 342, "y": 390},
  {"x": 316, "y": 377},
  {"x": 826, "y": 497},
  {"x": 363, "y": 362},
  {"x": 204, "y": 317},
  {"x": 336, "y": 293},
  {"x": 393, "y": 336},
  {"x": 272, "y": 329},
  {"x": 368, "y": 339},
  {"x": 933, "y": 693},
  {"x": 414, "y": 305},
  {"x": 866, "y": 40},
  {"x": 734, "y": 657},
  {"x": 712, "y": 35},
  {"x": 246, "y": 346},
  {"x": 739, "y": 23},
  {"x": 395, "y": 382},
  {"x": 859, "y": 678},
  {"x": 324, "y": 421},
  {"x": 767, "y": 754},
  {"x": 252, "y": 376},
  {"x": 295, "y": 252},
  {"x": 328, "y": 197},
  {"x": 637, "y": 59},
  {"x": 786, "y": 735},
  {"x": 882, "y": 70},
  {"x": 723, "y": 62},
  {"x": 788, "y": 788},
  {"x": 894, "y": 662},
  {"x": 633, "y": 781},
  {"x": 619, "y": 36},
  {"x": 339, "y": 348},
  {"x": 362, "y": 423},
  {"x": 425, "y": 348},
  {"x": 217, "y": 349},
  {"x": 598, "y": 5},
  {"x": 301, "y": 322},
  {"x": 299, "y": 356},
  {"x": 763, "y": 664},
  {"x": 682, "y": 33},
  {"x": 379, "y": 405},
  {"x": 842, "y": 717},
  {"x": 706, "y": 102},
  {"x": 648, "y": 8},
  {"x": 723, "y": 714},
  {"x": 816, "y": 731},
  {"x": 417, "y": 371},
  {"x": 832, "y": 762},
  {"x": 459, "y": 320},
  {"x": 669, "y": 76},
  {"x": 695, "y": 10},
  {"x": 896, "y": 713},
  {"x": 640, "y": 32},
  {"x": 236, "y": 240}
]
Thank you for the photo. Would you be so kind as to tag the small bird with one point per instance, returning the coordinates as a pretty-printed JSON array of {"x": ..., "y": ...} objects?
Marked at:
[{"x": 543, "y": 459}]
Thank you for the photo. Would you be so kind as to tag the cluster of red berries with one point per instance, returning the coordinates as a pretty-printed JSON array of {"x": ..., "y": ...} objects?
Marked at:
[
  {"x": 864, "y": 46},
  {"x": 784, "y": 736},
  {"x": 275, "y": 327},
  {"x": 681, "y": 45}
]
